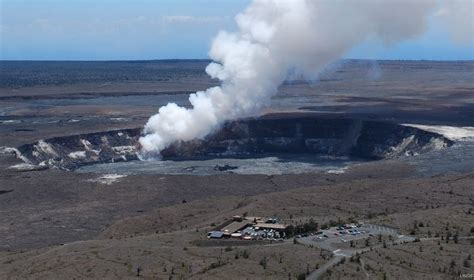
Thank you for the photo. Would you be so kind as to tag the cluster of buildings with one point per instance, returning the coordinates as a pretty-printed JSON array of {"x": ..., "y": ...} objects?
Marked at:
[{"x": 250, "y": 228}]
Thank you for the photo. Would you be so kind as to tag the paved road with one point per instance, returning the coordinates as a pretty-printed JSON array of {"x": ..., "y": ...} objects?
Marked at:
[
  {"x": 320, "y": 271},
  {"x": 338, "y": 254}
]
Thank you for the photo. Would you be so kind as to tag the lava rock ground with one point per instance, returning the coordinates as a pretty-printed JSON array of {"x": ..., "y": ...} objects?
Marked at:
[{"x": 58, "y": 224}]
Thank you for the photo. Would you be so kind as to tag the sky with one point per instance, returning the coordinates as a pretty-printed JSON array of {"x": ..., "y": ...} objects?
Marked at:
[{"x": 161, "y": 29}]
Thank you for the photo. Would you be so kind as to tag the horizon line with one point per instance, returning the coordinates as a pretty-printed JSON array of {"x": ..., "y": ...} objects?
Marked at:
[{"x": 208, "y": 59}]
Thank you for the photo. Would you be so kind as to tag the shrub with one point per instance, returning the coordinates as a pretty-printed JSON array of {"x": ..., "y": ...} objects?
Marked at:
[
  {"x": 245, "y": 254},
  {"x": 467, "y": 263},
  {"x": 263, "y": 262}
]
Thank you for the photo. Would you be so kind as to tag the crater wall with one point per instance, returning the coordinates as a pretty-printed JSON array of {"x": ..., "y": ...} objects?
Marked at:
[{"x": 364, "y": 139}]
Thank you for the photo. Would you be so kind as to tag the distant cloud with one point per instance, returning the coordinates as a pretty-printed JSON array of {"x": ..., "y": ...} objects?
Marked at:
[{"x": 192, "y": 19}]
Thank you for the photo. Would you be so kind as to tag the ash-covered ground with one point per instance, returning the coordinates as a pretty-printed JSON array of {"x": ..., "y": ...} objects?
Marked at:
[{"x": 104, "y": 221}]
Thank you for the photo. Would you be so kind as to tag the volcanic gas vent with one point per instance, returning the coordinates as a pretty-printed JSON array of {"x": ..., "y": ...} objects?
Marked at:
[{"x": 294, "y": 134}]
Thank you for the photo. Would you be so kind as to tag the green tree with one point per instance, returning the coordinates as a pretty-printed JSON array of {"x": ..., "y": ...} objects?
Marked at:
[{"x": 301, "y": 276}]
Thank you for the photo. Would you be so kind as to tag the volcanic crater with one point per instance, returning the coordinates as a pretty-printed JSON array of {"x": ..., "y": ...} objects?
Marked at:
[{"x": 252, "y": 137}]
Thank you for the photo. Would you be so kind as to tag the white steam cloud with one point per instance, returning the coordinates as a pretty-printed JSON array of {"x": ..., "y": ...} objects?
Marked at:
[
  {"x": 276, "y": 37},
  {"x": 458, "y": 16}
]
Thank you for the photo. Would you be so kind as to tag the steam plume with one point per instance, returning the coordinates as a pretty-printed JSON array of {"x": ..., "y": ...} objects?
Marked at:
[{"x": 275, "y": 37}]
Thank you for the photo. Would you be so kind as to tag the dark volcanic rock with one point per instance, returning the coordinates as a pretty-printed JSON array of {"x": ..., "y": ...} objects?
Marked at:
[
  {"x": 224, "y": 167},
  {"x": 249, "y": 137},
  {"x": 5, "y": 191}
]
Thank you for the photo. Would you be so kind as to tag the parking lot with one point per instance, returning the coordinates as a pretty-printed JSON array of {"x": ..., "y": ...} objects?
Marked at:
[
  {"x": 253, "y": 232},
  {"x": 341, "y": 233},
  {"x": 328, "y": 238},
  {"x": 332, "y": 238}
]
